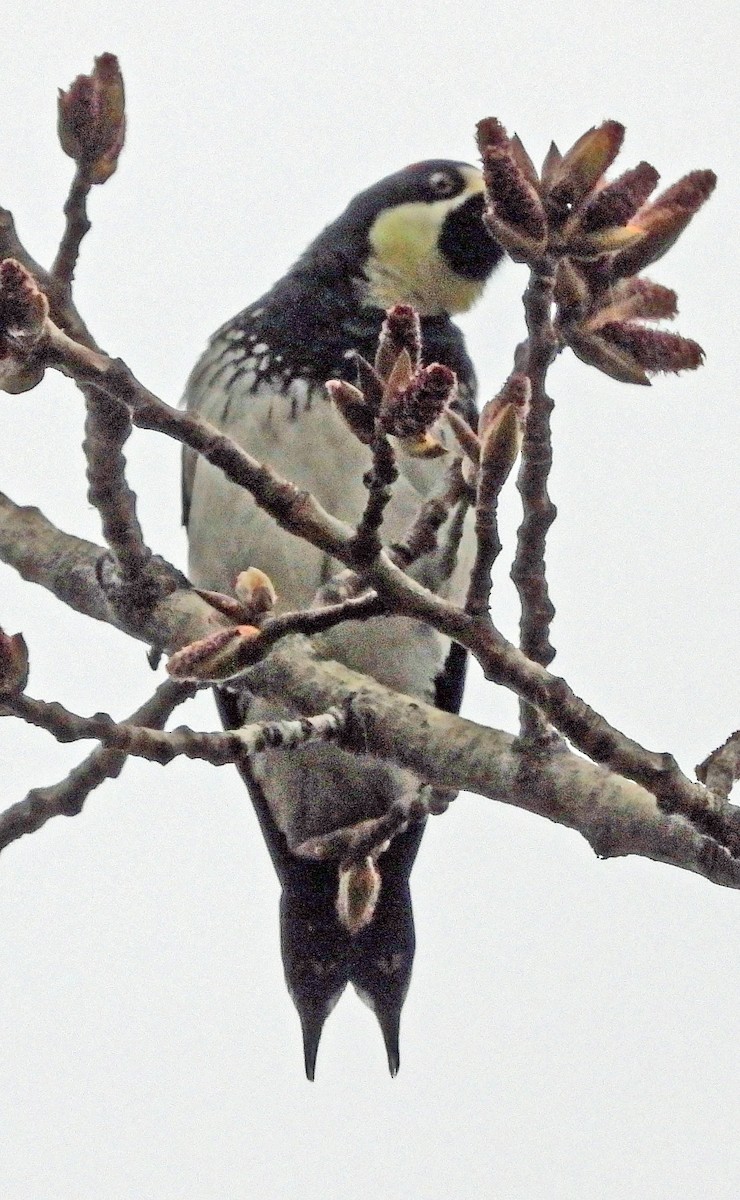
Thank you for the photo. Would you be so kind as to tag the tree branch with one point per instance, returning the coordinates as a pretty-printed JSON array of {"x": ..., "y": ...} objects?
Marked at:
[
  {"x": 77, "y": 225},
  {"x": 69, "y": 568},
  {"x": 500, "y": 436},
  {"x": 379, "y": 482},
  {"x": 67, "y": 797},
  {"x": 588, "y": 731},
  {"x": 445, "y": 751},
  {"x": 161, "y": 747},
  {"x": 616, "y": 816},
  {"x": 528, "y": 570},
  {"x": 42, "y": 344}
]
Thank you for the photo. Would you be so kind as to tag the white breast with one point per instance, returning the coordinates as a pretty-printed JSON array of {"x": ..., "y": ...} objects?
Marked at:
[{"x": 316, "y": 451}]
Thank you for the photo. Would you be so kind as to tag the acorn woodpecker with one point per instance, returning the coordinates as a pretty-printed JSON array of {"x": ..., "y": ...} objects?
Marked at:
[{"x": 414, "y": 238}]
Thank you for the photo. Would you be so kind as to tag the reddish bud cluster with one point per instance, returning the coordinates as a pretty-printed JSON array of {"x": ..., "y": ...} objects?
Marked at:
[
  {"x": 92, "y": 121},
  {"x": 413, "y": 410},
  {"x": 596, "y": 235},
  {"x": 397, "y": 397},
  {"x": 653, "y": 349},
  {"x": 401, "y": 331},
  {"x": 617, "y": 202}
]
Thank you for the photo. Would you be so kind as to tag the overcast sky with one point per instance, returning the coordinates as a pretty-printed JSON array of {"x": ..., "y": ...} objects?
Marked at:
[{"x": 572, "y": 1027}]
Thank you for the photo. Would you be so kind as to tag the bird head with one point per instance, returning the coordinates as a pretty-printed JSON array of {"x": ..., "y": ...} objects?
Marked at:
[{"x": 416, "y": 237}]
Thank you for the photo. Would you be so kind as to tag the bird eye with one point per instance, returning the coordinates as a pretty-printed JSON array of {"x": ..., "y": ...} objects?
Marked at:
[{"x": 442, "y": 183}]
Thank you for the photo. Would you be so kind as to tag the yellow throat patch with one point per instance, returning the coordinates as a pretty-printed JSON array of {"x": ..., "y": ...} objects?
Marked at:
[{"x": 406, "y": 266}]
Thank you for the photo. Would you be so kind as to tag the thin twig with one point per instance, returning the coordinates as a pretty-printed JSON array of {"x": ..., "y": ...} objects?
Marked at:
[
  {"x": 162, "y": 747},
  {"x": 77, "y": 224},
  {"x": 500, "y": 435},
  {"x": 488, "y": 546},
  {"x": 467, "y": 438},
  {"x": 107, "y": 428},
  {"x": 453, "y": 539},
  {"x": 528, "y": 570},
  {"x": 105, "y": 431},
  {"x": 319, "y": 620},
  {"x": 67, "y": 797},
  {"x": 421, "y": 539},
  {"x": 421, "y": 536},
  {"x": 379, "y": 482}
]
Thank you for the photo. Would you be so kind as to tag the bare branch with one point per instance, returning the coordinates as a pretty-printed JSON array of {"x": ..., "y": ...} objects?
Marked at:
[
  {"x": 500, "y": 434},
  {"x": 320, "y": 619},
  {"x": 720, "y": 770},
  {"x": 67, "y": 797},
  {"x": 468, "y": 440},
  {"x": 421, "y": 537},
  {"x": 528, "y": 570},
  {"x": 161, "y": 747},
  {"x": 177, "y": 614},
  {"x": 107, "y": 428},
  {"x": 616, "y": 816},
  {"x": 379, "y": 483},
  {"x": 77, "y": 225}
]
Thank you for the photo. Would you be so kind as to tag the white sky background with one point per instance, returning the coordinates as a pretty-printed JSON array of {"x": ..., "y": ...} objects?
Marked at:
[{"x": 572, "y": 1026}]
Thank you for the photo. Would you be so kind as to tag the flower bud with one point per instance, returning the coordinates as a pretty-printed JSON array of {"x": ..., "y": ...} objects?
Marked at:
[
  {"x": 401, "y": 331},
  {"x": 583, "y": 165},
  {"x": 218, "y": 657},
  {"x": 255, "y": 591},
  {"x": 635, "y": 298},
  {"x": 596, "y": 351},
  {"x": 617, "y": 202},
  {"x": 92, "y": 121},
  {"x": 351, "y": 404},
  {"x": 655, "y": 350},
  {"x": 514, "y": 213},
  {"x": 409, "y": 413},
  {"x": 663, "y": 221}
]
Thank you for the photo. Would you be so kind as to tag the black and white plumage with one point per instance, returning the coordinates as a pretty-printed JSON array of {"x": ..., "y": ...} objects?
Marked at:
[{"x": 415, "y": 238}]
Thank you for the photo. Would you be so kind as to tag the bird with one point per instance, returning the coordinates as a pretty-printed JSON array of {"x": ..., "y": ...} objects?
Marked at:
[{"x": 414, "y": 238}]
